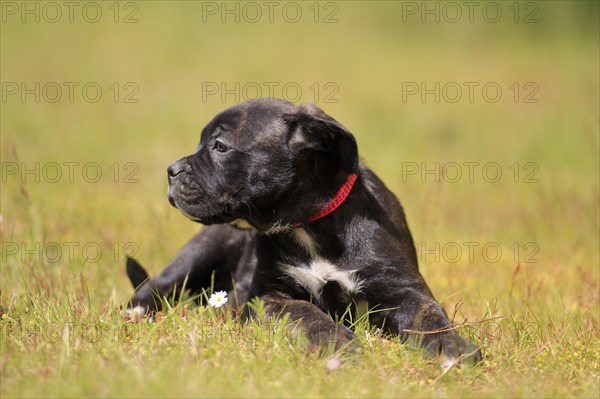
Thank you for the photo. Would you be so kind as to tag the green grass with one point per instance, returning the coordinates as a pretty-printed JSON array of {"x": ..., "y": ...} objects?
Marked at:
[{"x": 535, "y": 312}]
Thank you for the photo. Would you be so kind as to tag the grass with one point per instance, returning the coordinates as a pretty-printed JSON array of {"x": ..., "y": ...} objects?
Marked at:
[{"x": 534, "y": 308}]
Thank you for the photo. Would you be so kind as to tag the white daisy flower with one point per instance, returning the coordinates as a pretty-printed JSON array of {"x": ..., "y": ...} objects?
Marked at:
[{"x": 218, "y": 299}]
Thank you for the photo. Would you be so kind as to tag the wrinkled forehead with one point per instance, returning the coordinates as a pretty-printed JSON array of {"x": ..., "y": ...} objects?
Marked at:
[{"x": 251, "y": 120}]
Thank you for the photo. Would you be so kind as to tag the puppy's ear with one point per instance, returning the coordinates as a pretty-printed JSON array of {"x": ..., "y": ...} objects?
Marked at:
[
  {"x": 136, "y": 273},
  {"x": 311, "y": 129}
]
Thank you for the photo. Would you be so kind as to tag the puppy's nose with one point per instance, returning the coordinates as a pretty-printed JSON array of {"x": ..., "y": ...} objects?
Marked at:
[{"x": 175, "y": 168}]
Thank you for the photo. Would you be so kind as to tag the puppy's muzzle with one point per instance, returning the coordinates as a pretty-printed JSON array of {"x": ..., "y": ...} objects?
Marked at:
[{"x": 173, "y": 170}]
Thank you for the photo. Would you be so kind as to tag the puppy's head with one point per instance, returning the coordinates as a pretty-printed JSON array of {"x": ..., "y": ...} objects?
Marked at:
[{"x": 263, "y": 163}]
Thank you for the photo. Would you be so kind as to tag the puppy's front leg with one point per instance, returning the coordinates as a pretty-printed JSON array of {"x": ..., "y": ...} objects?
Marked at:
[
  {"x": 438, "y": 335},
  {"x": 319, "y": 328},
  {"x": 420, "y": 319},
  {"x": 216, "y": 249}
]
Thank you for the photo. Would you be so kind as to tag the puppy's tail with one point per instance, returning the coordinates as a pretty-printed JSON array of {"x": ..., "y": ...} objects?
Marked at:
[{"x": 136, "y": 273}]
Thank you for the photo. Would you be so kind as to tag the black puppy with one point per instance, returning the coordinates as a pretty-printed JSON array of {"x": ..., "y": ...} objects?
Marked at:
[{"x": 320, "y": 231}]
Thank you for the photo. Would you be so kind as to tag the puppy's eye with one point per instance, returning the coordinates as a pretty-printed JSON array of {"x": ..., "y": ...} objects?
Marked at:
[{"x": 220, "y": 147}]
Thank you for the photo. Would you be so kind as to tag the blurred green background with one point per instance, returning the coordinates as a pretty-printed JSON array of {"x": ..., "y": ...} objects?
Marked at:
[{"x": 357, "y": 60}]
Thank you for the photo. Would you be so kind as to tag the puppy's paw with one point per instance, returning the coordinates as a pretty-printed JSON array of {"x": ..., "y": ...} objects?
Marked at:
[
  {"x": 137, "y": 314},
  {"x": 334, "y": 363},
  {"x": 332, "y": 339},
  {"x": 346, "y": 340},
  {"x": 453, "y": 350}
]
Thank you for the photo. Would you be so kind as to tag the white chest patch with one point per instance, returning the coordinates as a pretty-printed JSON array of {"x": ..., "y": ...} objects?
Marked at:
[
  {"x": 319, "y": 273},
  {"x": 305, "y": 240}
]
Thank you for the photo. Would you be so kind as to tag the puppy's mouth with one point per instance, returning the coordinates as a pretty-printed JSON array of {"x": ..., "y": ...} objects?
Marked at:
[
  {"x": 198, "y": 209},
  {"x": 171, "y": 199}
]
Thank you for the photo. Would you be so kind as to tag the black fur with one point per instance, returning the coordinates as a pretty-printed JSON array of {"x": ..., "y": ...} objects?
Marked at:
[
  {"x": 136, "y": 273},
  {"x": 268, "y": 164}
]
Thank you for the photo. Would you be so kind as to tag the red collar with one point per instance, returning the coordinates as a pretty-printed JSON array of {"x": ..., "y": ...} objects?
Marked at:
[{"x": 335, "y": 202}]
